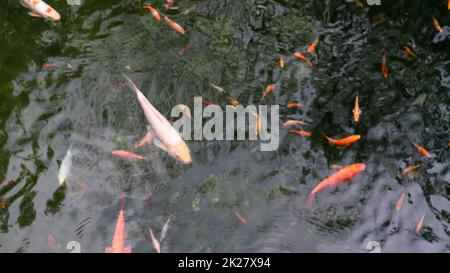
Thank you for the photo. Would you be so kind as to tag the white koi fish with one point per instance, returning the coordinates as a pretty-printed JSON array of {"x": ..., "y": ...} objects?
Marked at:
[
  {"x": 41, "y": 9},
  {"x": 66, "y": 165},
  {"x": 162, "y": 133}
]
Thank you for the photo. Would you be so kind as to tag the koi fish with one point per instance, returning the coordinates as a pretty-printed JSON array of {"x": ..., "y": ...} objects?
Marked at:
[
  {"x": 294, "y": 105},
  {"x": 164, "y": 135},
  {"x": 233, "y": 101},
  {"x": 420, "y": 223},
  {"x": 281, "y": 62},
  {"x": 344, "y": 142},
  {"x": 448, "y": 4},
  {"x": 168, "y": 4},
  {"x": 436, "y": 24},
  {"x": 356, "y": 110},
  {"x": 52, "y": 243},
  {"x": 66, "y": 165},
  {"x": 303, "y": 58},
  {"x": 384, "y": 68},
  {"x": 269, "y": 89},
  {"x": 300, "y": 132},
  {"x": 313, "y": 45},
  {"x": 206, "y": 102},
  {"x": 127, "y": 155},
  {"x": 41, "y": 9},
  {"x": 343, "y": 175},
  {"x": 400, "y": 201},
  {"x": 156, "y": 244},
  {"x": 408, "y": 51},
  {"x": 118, "y": 242},
  {"x": 240, "y": 217},
  {"x": 218, "y": 88},
  {"x": 421, "y": 149},
  {"x": 164, "y": 230},
  {"x": 153, "y": 11},
  {"x": 174, "y": 25},
  {"x": 411, "y": 169},
  {"x": 291, "y": 122}
]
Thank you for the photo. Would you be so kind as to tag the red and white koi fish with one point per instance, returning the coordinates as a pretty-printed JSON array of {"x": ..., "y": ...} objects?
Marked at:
[
  {"x": 174, "y": 25},
  {"x": 41, "y": 9},
  {"x": 411, "y": 169},
  {"x": 153, "y": 11},
  {"x": 163, "y": 134},
  {"x": 127, "y": 155},
  {"x": 118, "y": 243},
  {"x": 342, "y": 176}
]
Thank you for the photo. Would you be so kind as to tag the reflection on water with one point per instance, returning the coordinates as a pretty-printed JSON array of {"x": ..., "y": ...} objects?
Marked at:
[{"x": 236, "y": 45}]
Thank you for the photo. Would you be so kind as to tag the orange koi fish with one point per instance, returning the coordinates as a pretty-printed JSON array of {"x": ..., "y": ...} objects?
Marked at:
[
  {"x": 313, "y": 45},
  {"x": 155, "y": 242},
  {"x": 448, "y": 4},
  {"x": 343, "y": 175},
  {"x": 127, "y": 155},
  {"x": 281, "y": 62},
  {"x": 153, "y": 11},
  {"x": 294, "y": 105},
  {"x": 174, "y": 25},
  {"x": 300, "y": 132},
  {"x": 356, "y": 110},
  {"x": 269, "y": 89},
  {"x": 400, "y": 201},
  {"x": 233, "y": 101},
  {"x": 436, "y": 24},
  {"x": 408, "y": 51},
  {"x": 240, "y": 217},
  {"x": 421, "y": 149},
  {"x": 420, "y": 223},
  {"x": 118, "y": 242},
  {"x": 47, "y": 65},
  {"x": 411, "y": 169},
  {"x": 344, "y": 142},
  {"x": 291, "y": 122},
  {"x": 384, "y": 68},
  {"x": 303, "y": 58}
]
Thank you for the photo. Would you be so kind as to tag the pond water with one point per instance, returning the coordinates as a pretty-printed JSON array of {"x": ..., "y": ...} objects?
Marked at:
[{"x": 61, "y": 84}]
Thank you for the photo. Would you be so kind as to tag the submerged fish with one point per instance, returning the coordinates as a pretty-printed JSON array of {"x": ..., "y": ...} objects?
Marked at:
[
  {"x": 163, "y": 134},
  {"x": 436, "y": 24},
  {"x": 421, "y": 149},
  {"x": 281, "y": 62},
  {"x": 408, "y": 51},
  {"x": 291, "y": 122},
  {"x": 240, "y": 217},
  {"x": 118, "y": 243},
  {"x": 155, "y": 242},
  {"x": 301, "y": 132},
  {"x": 313, "y": 45},
  {"x": 342, "y": 176},
  {"x": 174, "y": 25},
  {"x": 127, "y": 155},
  {"x": 269, "y": 89},
  {"x": 164, "y": 230},
  {"x": 303, "y": 58},
  {"x": 52, "y": 243},
  {"x": 66, "y": 165},
  {"x": 420, "y": 223},
  {"x": 41, "y": 9},
  {"x": 294, "y": 105},
  {"x": 153, "y": 11},
  {"x": 384, "y": 68},
  {"x": 400, "y": 201},
  {"x": 411, "y": 169},
  {"x": 344, "y": 142},
  {"x": 356, "y": 110}
]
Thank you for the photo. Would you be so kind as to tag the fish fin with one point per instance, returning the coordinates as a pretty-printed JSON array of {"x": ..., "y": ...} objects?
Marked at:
[
  {"x": 127, "y": 249},
  {"x": 108, "y": 250},
  {"x": 145, "y": 140},
  {"x": 159, "y": 144},
  {"x": 34, "y": 14}
]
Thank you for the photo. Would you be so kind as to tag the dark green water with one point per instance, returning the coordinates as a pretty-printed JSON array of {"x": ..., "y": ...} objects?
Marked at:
[{"x": 236, "y": 45}]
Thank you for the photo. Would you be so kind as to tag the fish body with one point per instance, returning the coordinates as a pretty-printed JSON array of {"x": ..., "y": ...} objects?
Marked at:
[
  {"x": 127, "y": 155},
  {"x": 421, "y": 149},
  {"x": 343, "y": 175},
  {"x": 240, "y": 217},
  {"x": 313, "y": 45},
  {"x": 269, "y": 89},
  {"x": 41, "y": 9},
  {"x": 281, "y": 62},
  {"x": 411, "y": 169},
  {"x": 155, "y": 242},
  {"x": 294, "y": 105},
  {"x": 118, "y": 243},
  {"x": 408, "y": 51},
  {"x": 174, "y": 25},
  {"x": 165, "y": 136},
  {"x": 291, "y": 122},
  {"x": 303, "y": 58},
  {"x": 66, "y": 166},
  {"x": 153, "y": 11},
  {"x": 343, "y": 142},
  {"x": 356, "y": 110},
  {"x": 384, "y": 68},
  {"x": 301, "y": 132},
  {"x": 400, "y": 201},
  {"x": 420, "y": 223},
  {"x": 436, "y": 24}
]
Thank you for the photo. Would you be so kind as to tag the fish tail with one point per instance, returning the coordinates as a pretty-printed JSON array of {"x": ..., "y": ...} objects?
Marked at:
[
  {"x": 122, "y": 203},
  {"x": 130, "y": 83}
]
